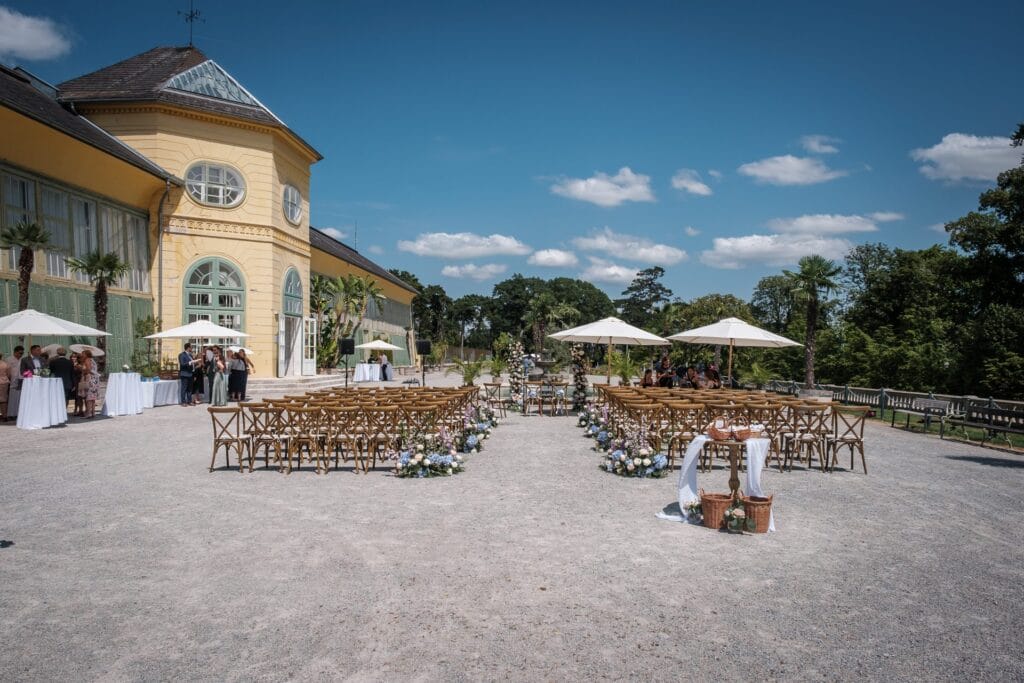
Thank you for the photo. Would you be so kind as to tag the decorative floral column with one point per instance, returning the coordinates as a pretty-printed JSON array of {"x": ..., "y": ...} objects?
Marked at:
[
  {"x": 579, "y": 375},
  {"x": 516, "y": 358}
]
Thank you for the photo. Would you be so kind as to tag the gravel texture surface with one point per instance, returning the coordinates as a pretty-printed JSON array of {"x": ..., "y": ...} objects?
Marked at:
[{"x": 126, "y": 560}]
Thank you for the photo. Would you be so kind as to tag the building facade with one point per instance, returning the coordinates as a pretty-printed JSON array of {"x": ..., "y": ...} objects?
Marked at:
[{"x": 213, "y": 218}]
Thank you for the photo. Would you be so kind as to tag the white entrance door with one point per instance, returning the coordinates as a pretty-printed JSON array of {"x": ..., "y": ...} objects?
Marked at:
[
  {"x": 309, "y": 338},
  {"x": 289, "y": 350}
]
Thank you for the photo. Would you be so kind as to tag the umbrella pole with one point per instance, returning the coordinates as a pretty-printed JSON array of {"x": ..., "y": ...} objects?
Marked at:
[
  {"x": 608, "y": 363},
  {"x": 730, "y": 363}
]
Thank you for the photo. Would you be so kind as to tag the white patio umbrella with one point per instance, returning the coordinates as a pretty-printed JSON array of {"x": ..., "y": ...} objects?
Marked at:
[
  {"x": 379, "y": 345},
  {"x": 95, "y": 350},
  {"x": 200, "y": 329},
  {"x": 235, "y": 349},
  {"x": 29, "y": 322},
  {"x": 610, "y": 331},
  {"x": 734, "y": 332}
]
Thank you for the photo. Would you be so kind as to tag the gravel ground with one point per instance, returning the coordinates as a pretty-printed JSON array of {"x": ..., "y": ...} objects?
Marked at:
[{"x": 131, "y": 562}]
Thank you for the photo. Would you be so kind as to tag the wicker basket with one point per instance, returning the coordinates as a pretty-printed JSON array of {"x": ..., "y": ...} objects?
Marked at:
[
  {"x": 723, "y": 433},
  {"x": 741, "y": 432},
  {"x": 758, "y": 509},
  {"x": 713, "y": 507}
]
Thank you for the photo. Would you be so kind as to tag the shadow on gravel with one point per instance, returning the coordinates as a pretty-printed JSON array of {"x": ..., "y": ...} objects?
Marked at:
[
  {"x": 990, "y": 461},
  {"x": 6, "y": 544}
]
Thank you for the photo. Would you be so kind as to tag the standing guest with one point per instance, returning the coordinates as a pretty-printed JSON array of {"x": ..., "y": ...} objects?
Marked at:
[
  {"x": 76, "y": 378},
  {"x": 61, "y": 367},
  {"x": 209, "y": 370},
  {"x": 33, "y": 362},
  {"x": 385, "y": 368},
  {"x": 240, "y": 367},
  {"x": 186, "y": 367},
  {"x": 5, "y": 387},
  {"x": 14, "y": 378},
  {"x": 89, "y": 385},
  {"x": 219, "y": 383}
]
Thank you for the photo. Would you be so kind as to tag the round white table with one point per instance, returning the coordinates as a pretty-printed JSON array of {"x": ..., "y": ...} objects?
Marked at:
[
  {"x": 164, "y": 392},
  {"x": 124, "y": 394},
  {"x": 367, "y": 372},
  {"x": 43, "y": 403}
]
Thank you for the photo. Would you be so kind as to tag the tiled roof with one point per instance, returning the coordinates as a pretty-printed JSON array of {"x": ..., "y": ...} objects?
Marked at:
[
  {"x": 329, "y": 245},
  {"x": 19, "y": 93},
  {"x": 145, "y": 77}
]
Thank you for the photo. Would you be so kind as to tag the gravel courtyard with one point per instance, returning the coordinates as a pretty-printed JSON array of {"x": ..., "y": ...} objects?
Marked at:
[{"x": 126, "y": 560}]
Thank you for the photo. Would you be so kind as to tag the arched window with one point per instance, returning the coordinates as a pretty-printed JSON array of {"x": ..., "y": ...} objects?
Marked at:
[
  {"x": 292, "y": 203},
  {"x": 292, "y": 304},
  {"x": 215, "y": 291},
  {"x": 215, "y": 184}
]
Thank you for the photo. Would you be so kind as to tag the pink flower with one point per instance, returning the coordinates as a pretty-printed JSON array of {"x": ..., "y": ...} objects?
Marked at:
[{"x": 27, "y": 374}]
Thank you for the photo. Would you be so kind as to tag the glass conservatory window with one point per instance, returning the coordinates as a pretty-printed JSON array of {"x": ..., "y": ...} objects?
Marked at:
[
  {"x": 212, "y": 81},
  {"x": 292, "y": 204}
]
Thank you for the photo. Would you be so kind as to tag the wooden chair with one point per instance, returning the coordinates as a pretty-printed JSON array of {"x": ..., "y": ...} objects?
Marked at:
[
  {"x": 304, "y": 436},
  {"x": 266, "y": 433},
  {"x": 559, "y": 398},
  {"x": 534, "y": 397},
  {"x": 492, "y": 395},
  {"x": 808, "y": 440},
  {"x": 341, "y": 430},
  {"x": 847, "y": 431},
  {"x": 685, "y": 423},
  {"x": 227, "y": 434}
]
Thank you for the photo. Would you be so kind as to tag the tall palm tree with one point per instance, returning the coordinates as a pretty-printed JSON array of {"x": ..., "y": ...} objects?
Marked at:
[
  {"x": 544, "y": 311},
  {"x": 103, "y": 270},
  {"x": 369, "y": 291},
  {"x": 814, "y": 280},
  {"x": 29, "y": 237}
]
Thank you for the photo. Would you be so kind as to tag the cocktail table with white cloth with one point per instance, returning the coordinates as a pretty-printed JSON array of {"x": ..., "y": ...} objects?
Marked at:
[
  {"x": 367, "y": 372},
  {"x": 43, "y": 403},
  {"x": 124, "y": 394},
  {"x": 164, "y": 392}
]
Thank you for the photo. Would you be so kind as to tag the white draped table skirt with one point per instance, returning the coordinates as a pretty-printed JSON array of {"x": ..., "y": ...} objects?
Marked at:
[
  {"x": 43, "y": 403},
  {"x": 367, "y": 372},
  {"x": 124, "y": 394},
  {"x": 164, "y": 392}
]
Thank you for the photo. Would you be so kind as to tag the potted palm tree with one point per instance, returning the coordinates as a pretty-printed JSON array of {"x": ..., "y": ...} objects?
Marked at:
[
  {"x": 469, "y": 369},
  {"x": 497, "y": 365},
  {"x": 103, "y": 270},
  {"x": 624, "y": 367},
  {"x": 29, "y": 237}
]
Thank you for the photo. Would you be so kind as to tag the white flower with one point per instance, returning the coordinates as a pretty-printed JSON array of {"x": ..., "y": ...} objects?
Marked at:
[
  {"x": 426, "y": 461},
  {"x": 630, "y": 467},
  {"x": 449, "y": 470},
  {"x": 419, "y": 447},
  {"x": 739, "y": 512},
  {"x": 637, "y": 461},
  {"x": 645, "y": 451},
  {"x": 622, "y": 457},
  {"x": 452, "y": 451},
  {"x": 419, "y": 456},
  {"x": 455, "y": 465},
  {"x": 647, "y": 462}
]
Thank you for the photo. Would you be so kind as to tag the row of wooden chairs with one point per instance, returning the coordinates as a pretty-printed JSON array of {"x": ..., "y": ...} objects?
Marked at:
[
  {"x": 799, "y": 431},
  {"x": 322, "y": 426}
]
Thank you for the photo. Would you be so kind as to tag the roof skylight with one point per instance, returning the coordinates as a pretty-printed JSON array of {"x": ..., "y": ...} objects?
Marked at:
[{"x": 212, "y": 81}]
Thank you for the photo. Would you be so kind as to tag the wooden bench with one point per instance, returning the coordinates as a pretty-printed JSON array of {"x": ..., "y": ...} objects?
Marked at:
[
  {"x": 927, "y": 408},
  {"x": 991, "y": 421}
]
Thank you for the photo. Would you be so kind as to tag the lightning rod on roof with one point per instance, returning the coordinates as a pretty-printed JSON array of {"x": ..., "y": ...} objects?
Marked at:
[{"x": 191, "y": 17}]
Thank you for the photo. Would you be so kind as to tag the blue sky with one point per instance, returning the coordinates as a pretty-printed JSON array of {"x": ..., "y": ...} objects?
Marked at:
[{"x": 471, "y": 140}]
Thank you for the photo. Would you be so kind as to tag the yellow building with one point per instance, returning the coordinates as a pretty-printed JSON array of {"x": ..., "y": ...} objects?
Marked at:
[{"x": 226, "y": 199}]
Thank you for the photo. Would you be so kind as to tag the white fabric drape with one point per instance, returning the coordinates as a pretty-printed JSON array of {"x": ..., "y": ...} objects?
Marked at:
[
  {"x": 757, "y": 451},
  {"x": 687, "y": 480},
  {"x": 43, "y": 403},
  {"x": 124, "y": 394},
  {"x": 161, "y": 393}
]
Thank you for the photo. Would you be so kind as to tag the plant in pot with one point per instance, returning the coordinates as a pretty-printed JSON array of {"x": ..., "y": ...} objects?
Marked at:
[
  {"x": 469, "y": 369},
  {"x": 624, "y": 367},
  {"x": 497, "y": 365},
  {"x": 759, "y": 375}
]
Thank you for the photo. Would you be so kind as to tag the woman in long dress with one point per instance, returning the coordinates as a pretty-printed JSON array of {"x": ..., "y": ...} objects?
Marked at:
[
  {"x": 89, "y": 384},
  {"x": 219, "y": 390}
]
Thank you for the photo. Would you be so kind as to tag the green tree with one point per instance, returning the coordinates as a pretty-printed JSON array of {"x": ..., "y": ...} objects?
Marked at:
[
  {"x": 431, "y": 313},
  {"x": 468, "y": 311},
  {"x": 510, "y": 301},
  {"x": 644, "y": 296},
  {"x": 814, "y": 281},
  {"x": 321, "y": 303},
  {"x": 29, "y": 238},
  {"x": 103, "y": 270},
  {"x": 545, "y": 311},
  {"x": 407, "y": 277}
]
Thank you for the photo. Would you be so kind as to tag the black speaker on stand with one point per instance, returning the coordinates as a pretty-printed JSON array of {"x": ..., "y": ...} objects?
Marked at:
[
  {"x": 346, "y": 348},
  {"x": 423, "y": 350}
]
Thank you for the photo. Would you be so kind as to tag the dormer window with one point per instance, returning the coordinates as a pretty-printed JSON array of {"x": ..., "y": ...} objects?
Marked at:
[
  {"x": 215, "y": 184},
  {"x": 292, "y": 204}
]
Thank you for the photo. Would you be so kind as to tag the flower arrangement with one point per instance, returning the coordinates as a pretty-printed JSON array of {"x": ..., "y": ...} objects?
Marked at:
[
  {"x": 27, "y": 374},
  {"x": 579, "y": 377},
  {"x": 736, "y": 519},
  {"x": 694, "y": 511},
  {"x": 45, "y": 372},
  {"x": 516, "y": 365},
  {"x": 126, "y": 368},
  {"x": 633, "y": 457},
  {"x": 420, "y": 463}
]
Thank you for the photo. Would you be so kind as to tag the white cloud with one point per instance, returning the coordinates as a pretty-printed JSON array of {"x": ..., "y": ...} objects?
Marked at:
[
  {"x": 463, "y": 245},
  {"x": 967, "y": 157},
  {"x": 601, "y": 270},
  {"x": 473, "y": 271},
  {"x": 790, "y": 170},
  {"x": 824, "y": 224},
  {"x": 553, "y": 258},
  {"x": 886, "y": 216},
  {"x": 30, "y": 38},
  {"x": 631, "y": 248},
  {"x": 375, "y": 249},
  {"x": 688, "y": 180},
  {"x": 335, "y": 233},
  {"x": 717, "y": 175},
  {"x": 605, "y": 190},
  {"x": 691, "y": 231},
  {"x": 820, "y": 144},
  {"x": 938, "y": 227},
  {"x": 772, "y": 250}
]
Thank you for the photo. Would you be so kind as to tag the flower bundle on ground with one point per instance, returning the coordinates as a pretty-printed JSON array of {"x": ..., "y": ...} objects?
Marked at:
[
  {"x": 420, "y": 463},
  {"x": 736, "y": 519},
  {"x": 633, "y": 457},
  {"x": 694, "y": 511}
]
